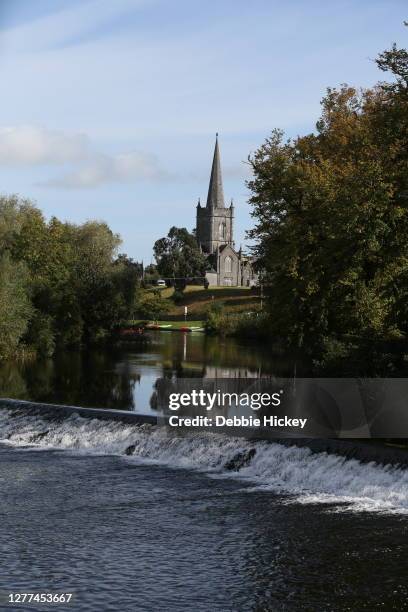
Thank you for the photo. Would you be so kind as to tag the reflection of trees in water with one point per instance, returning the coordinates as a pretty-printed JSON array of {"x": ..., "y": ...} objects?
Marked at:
[
  {"x": 38, "y": 378},
  {"x": 195, "y": 351},
  {"x": 87, "y": 379},
  {"x": 108, "y": 377},
  {"x": 93, "y": 378},
  {"x": 12, "y": 383}
]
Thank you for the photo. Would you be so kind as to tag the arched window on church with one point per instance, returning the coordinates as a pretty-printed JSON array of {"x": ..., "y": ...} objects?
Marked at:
[
  {"x": 221, "y": 231},
  {"x": 228, "y": 265}
]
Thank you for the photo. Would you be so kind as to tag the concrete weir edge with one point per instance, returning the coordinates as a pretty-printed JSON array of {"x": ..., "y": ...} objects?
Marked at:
[{"x": 366, "y": 451}]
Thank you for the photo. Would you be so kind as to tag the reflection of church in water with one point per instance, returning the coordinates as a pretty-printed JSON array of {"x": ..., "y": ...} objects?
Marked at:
[
  {"x": 214, "y": 232},
  {"x": 186, "y": 370},
  {"x": 206, "y": 369}
]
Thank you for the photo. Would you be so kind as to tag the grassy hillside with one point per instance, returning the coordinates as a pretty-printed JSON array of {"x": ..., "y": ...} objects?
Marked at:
[{"x": 198, "y": 300}]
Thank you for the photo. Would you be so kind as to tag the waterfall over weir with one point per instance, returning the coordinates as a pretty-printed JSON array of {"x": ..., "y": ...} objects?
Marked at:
[{"x": 297, "y": 474}]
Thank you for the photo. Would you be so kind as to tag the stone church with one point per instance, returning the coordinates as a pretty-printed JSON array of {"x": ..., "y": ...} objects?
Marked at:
[{"x": 215, "y": 236}]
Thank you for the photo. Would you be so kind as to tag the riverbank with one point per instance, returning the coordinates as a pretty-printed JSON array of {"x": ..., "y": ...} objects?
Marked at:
[
  {"x": 224, "y": 311},
  {"x": 199, "y": 301},
  {"x": 135, "y": 326}
]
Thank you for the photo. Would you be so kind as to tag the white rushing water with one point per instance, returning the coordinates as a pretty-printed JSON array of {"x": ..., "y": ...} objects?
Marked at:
[{"x": 306, "y": 477}]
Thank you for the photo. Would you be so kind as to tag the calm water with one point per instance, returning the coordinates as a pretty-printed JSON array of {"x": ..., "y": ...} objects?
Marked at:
[
  {"x": 125, "y": 378},
  {"x": 170, "y": 527}
]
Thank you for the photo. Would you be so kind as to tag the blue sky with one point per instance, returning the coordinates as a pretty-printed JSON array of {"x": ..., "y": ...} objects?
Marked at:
[{"x": 110, "y": 107}]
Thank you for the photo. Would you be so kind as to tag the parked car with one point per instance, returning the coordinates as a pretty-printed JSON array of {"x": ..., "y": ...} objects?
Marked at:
[{"x": 161, "y": 283}]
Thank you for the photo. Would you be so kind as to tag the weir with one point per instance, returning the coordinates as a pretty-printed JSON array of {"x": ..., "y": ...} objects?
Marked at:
[
  {"x": 295, "y": 473},
  {"x": 365, "y": 451}
]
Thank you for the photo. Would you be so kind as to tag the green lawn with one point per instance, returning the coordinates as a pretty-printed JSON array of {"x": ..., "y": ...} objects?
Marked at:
[
  {"x": 232, "y": 300},
  {"x": 178, "y": 324},
  {"x": 167, "y": 292},
  {"x": 170, "y": 324}
]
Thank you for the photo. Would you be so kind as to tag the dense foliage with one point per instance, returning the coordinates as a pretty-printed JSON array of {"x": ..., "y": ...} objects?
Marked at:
[
  {"x": 60, "y": 283},
  {"x": 251, "y": 325},
  {"x": 151, "y": 304},
  {"x": 179, "y": 257},
  {"x": 331, "y": 212}
]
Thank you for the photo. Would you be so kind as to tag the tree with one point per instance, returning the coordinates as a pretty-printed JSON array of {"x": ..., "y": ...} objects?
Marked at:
[
  {"x": 331, "y": 212},
  {"x": 151, "y": 305},
  {"x": 128, "y": 277},
  {"x": 15, "y": 306},
  {"x": 151, "y": 275},
  {"x": 68, "y": 288},
  {"x": 179, "y": 257},
  {"x": 100, "y": 279}
]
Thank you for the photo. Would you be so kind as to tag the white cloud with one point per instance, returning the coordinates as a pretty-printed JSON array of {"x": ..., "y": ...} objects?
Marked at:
[
  {"x": 87, "y": 167},
  {"x": 32, "y": 145},
  {"x": 102, "y": 169}
]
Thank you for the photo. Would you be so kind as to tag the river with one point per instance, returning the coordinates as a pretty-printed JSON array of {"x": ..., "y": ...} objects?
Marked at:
[
  {"x": 170, "y": 528},
  {"x": 124, "y": 378}
]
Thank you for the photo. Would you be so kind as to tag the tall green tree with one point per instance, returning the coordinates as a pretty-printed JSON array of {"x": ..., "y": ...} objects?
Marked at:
[
  {"x": 331, "y": 214},
  {"x": 70, "y": 286},
  {"x": 15, "y": 306},
  {"x": 178, "y": 255}
]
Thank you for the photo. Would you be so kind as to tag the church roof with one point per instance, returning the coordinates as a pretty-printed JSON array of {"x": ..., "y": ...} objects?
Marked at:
[
  {"x": 229, "y": 247},
  {"x": 215, "y": 197}
]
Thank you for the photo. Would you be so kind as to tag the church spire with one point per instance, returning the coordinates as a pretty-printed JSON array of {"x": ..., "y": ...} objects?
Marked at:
[{"x": 215, "y": 197}]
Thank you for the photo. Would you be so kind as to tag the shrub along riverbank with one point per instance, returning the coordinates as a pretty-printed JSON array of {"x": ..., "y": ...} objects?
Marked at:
[{"x": 244, "y": 325}]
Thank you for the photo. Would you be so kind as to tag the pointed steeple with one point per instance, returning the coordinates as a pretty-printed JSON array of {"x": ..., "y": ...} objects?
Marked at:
[{"x": 215, "y": 197}]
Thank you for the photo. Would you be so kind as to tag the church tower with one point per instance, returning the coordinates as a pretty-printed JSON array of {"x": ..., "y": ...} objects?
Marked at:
[{"x": 214, "y": 227}]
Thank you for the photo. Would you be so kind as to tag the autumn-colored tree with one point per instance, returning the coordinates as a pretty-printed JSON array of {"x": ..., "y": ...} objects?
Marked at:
[{"x": 331, "y": 213}]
